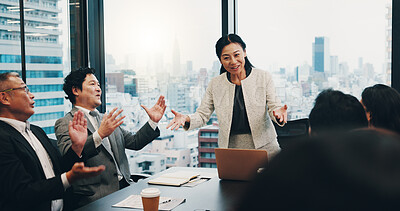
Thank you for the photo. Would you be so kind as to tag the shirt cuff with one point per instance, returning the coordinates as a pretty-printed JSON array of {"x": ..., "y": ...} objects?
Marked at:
[
  {"x": 64, "y": 180},
  {"x": 96, "y": 139},
  {"x": 153, "y": 124}
]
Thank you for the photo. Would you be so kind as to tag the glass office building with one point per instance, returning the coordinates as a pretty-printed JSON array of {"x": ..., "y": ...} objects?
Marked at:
[{"x": 44, "y": 55}]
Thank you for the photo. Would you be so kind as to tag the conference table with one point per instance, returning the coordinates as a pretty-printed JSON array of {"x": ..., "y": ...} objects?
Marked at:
[{"x": 212, "y": 195}]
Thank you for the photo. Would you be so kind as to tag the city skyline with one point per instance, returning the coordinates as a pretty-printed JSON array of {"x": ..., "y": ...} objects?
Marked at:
[{"x": 289, "y": 26}]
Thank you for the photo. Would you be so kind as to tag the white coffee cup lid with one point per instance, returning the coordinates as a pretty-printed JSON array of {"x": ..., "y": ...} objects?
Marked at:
[{"x": 150, "y": 192}]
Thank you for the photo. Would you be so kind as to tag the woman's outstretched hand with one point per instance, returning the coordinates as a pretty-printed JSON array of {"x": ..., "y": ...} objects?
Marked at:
[
  {"x": 280, "y": 114},
  {"x": 179, "y": 120}
]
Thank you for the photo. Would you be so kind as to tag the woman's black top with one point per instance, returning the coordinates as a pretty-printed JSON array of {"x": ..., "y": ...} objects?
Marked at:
[{"x": 240, "y": 122}]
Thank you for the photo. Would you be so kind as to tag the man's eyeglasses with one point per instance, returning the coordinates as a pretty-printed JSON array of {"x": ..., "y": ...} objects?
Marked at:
[{"x": 26, "y": 89}]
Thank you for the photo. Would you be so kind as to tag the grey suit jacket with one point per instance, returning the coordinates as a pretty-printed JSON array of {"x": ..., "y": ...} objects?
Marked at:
[{"x": 91, "y": 189}]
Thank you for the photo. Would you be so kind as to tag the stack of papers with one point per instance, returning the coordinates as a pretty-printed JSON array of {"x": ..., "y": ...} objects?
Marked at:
[{"x": 135, "y": 201}]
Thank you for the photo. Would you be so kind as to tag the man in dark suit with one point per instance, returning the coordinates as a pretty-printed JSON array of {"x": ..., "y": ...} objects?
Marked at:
[
  {"x": 106, "y": 141},
  {"x": 31, "y": 176}
]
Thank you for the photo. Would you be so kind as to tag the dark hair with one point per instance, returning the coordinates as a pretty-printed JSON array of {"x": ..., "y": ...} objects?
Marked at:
[
  {"x": 383, "y": 104},
  {"x": 358, "y": 170},
  {"x": 226, "y": 40},
  {"x": 333, "y": 110},
  {"x": 75, "y": 79}
]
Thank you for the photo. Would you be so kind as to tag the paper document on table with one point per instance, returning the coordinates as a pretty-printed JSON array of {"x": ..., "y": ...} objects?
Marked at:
[
  {"x": 135, "y": 201},
  {"x": 208, "y": 175},
  {"x": 175, "y": 178},
  {"x": 203, "y": 177},
  {"x": 195, "y": 182}
]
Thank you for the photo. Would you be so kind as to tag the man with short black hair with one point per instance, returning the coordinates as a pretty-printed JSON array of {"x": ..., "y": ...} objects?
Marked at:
[
  {"x": 106, "y": 140},
  {"x": 335, "y": 111}
]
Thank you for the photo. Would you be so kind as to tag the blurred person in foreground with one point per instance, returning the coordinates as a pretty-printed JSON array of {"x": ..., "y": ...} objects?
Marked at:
[
  {"x": 335, "y": 111},
  {"x": 382, "y": 105},
  {"x": 243, "y": 97},
  {"x": 106, "y": 140},
  {"x": 356, "y": 170},
  {"x": 33, "y": 174}
]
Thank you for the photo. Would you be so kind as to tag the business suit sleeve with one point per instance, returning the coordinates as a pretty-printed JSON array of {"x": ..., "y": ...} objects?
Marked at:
[
  {"x": 17, "y": 176},
  {"x": 273, "y": 102},
  {"x": 204, "y": 111},
  {"x": 64, "y": 141},
  {"x": 141, "y": 138}
]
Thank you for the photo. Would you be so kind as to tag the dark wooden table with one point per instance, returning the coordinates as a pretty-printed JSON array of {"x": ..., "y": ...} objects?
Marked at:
[{"x": 213, "y": 195}]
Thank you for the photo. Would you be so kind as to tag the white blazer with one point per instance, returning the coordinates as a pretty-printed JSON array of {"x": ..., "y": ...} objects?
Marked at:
[{"x": 260, "y": 100}]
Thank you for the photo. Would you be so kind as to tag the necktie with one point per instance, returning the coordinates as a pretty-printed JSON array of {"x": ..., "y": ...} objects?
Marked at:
[{"x": 105, "y": 142}]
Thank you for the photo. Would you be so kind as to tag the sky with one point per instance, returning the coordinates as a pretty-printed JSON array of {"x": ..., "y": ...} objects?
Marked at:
[
  {"x": 277, "y": 32},
  {"x": 282, "y": 31},
  {"x": 144, "y": 30}
]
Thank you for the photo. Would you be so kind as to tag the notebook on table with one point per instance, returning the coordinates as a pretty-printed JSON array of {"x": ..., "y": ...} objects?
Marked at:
[
  {"x": 175, "y": 178},
  {"x": 239, "y": 164}
]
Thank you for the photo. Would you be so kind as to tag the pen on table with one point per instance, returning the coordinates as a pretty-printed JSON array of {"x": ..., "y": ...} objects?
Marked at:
[{"x": 166, "y": 201}]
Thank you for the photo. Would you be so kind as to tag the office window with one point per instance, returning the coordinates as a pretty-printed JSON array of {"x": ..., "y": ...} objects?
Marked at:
[
  {"x": 209, "y": 134},
  {"x": 49, "y": 102},
  {"x": 209, "y": 165},
  {"x": 44, "y": 74},
  {"x": 46, "y": 116},
  {"x": 311, "y": 45},
  {"x": 207, "y": 155},
  {"x": 145, "y": 165},
  {"x": 46, "y": 88},
  {"x": 10, "y": 38},
  {"x": 47, "y": 58},
  {"x": 48, "y": 130},
  {"x": 159, "y": 48}
]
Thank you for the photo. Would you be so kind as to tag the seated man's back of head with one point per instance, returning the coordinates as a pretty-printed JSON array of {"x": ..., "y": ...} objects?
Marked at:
[{"x": 335, "y": 111}]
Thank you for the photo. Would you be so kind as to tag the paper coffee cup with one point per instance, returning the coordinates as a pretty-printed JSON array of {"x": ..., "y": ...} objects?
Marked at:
[{"x": 150, "y": 199}]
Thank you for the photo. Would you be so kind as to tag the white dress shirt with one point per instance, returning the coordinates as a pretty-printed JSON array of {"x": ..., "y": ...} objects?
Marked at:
[
  {"x": 105, "y": 141},
  {"x": 45, "y": 161}
]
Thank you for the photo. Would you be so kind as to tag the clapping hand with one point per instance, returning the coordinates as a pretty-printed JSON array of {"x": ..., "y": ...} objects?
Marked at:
[
  {"x": 179, "y": 120},
  {"x": 280, "y": 114},
  {"x": 110, "y": 122},
  {"x": 157, "y": 111},
  {"x": 77, "y": 129}
]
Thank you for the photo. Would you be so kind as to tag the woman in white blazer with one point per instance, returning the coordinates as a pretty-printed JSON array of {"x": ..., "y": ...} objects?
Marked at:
[{"x": 244, "y": 101}]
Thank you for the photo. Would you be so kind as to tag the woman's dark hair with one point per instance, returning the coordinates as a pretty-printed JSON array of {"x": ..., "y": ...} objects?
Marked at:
[
  {"x": 75, "y": 79},
  {"x": 226, "y": 40},
  {"x": 383, "y": 104}
]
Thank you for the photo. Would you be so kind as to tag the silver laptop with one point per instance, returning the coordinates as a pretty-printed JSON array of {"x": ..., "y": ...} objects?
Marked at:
[{"x": 239, "y": 164}]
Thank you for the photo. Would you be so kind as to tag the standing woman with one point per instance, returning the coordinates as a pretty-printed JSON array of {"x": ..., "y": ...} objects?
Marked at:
[
  {"x": 382, "y": 106},
  {"x": 244, "y": 100}
]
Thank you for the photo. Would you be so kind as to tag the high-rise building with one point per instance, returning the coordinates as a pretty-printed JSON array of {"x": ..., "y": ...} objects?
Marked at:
[
  {"x": 208, "y": 140},
  {"x": 321, "y": 55},
  {"x": 334, "y": 65},
  {"x": 176, "y": 59},
  {"x": 44, "y": 55},
  {"x": 178, "y": 95},
  {"x": 115, "y": 79}
]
